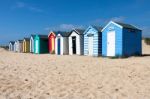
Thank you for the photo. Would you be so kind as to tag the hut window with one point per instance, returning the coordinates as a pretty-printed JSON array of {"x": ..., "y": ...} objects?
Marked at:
[
  {"x": 89, "y": 35},
  {"x": 131, "y": 30}
]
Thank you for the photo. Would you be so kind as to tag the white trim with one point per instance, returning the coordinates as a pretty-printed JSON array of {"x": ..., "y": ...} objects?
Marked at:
[
  {"x": 51, "y": 33},
  {"x": 109, "y": 24},
  {"x": 74, "y": 30},
  {"x": 59, "y": 35}
]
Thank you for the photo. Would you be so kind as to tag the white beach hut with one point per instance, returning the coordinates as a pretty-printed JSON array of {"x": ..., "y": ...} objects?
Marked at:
[
  {"x": 61, "y": 43},
  {"x": 19, "y": 47},
  {"x": 15, "y": 46},
  {"x": 76, "y": 42},
  {"x": 32, "y": 43},
  {"x": 11, "y": 45}
]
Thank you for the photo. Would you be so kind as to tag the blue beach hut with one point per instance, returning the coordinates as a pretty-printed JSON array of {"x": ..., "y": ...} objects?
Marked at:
[
  {"x": 119, "y": 39},
  {"x": 93, "y": 41}
]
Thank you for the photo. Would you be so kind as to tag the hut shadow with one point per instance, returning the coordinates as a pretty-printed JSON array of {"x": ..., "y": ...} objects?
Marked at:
[{"x": 145, "y": 55}]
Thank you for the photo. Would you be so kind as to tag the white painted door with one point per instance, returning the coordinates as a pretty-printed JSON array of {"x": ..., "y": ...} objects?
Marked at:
[
  {"x": 90, "y": 46},
  {"x": 111, "y": 43},
  {"x": 36, "y": 46}
]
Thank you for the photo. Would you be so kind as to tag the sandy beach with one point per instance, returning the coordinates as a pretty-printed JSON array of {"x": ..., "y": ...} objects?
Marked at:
[{"x": 29, "y": 76}]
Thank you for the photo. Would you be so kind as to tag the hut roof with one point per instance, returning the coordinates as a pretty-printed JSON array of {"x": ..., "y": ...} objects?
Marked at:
[
  {"x": 98, "y": 28},
  {"x": 27, "y": 39},
  {"x": 33, "y": 35},
  {"x": 129, "y": 26},
  {"x": 78, "y": 31},
  {"x": 54, "y": 32},
  {"x": 64, "y": 34},
  {"x": 20, "y": 41},
  {"x": 12, "y": 42},
  {"x": 43, "y": 36}
]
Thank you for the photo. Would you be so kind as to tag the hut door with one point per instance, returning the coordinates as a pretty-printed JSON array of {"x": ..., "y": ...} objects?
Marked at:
[
  {"x": 90, "y": 46},
  {"x": 52, "y": 44},
  {"x": 58, "y": 49},
  {"x": 111, "y": 43},
  {"x": 74, "y": 45},
  {"x": 36, "y": 46}
]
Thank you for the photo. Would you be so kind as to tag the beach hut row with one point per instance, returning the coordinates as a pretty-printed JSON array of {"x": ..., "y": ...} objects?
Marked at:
[{"x": 115, "y": 39}]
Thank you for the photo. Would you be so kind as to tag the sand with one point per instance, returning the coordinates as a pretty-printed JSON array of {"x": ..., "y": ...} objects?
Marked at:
[{"x": 28, "y": 76}]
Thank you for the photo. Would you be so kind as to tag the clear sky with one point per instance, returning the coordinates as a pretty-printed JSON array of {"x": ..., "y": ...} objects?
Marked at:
[{"x": 20, "y": 18}]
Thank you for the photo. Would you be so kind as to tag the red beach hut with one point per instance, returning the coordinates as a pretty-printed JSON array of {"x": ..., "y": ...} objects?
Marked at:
[{"x": 51, "y": 42}]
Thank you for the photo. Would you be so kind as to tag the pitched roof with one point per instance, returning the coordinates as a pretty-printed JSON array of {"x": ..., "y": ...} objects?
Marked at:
[
  {"x": 127, "y": 26},
  {"x": 78, "y": 31},
  {"x": 121, "y": 25},
  {"x": 55, "y": 32},
  {"x": 12, "y": 42},
  {"x": 27, "y": 39},
  {"x": 64, "y": 34},
  {"x": 33, "y": 35},
  {"x": 20, "y": 40},
  {"x": 98, "y": 28},
  {"x": 43, "y": 36}
]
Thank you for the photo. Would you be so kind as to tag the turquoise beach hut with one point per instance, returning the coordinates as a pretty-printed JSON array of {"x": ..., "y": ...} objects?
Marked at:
[{"x": 40, "y": 44}]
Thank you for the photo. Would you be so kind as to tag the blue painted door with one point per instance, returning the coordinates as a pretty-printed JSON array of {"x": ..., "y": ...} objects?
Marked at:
[{"x": 58, "y": 49}]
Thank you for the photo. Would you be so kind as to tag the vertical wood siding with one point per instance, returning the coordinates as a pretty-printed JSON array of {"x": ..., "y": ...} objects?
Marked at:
[
  {"x": 127, "y": 43},
  {"x": 79, "y": 43},
  {"x": 31, "y": 44},
  {"x": 64, "y": 46},
  {"x": 118, "y": 39},
  {"x": 97, "y": 41}
]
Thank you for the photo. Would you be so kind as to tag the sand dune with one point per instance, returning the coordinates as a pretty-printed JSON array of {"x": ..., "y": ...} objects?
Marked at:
[{"x": 28, "y": 76}]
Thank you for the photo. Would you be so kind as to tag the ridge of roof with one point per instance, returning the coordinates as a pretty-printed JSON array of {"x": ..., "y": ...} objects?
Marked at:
[
  {"x": 64, "y": 34},
  {"x": 125, "y": 25}
]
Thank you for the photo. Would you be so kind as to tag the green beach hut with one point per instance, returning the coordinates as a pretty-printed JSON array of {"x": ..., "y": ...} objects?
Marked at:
[{"x": 41, "y": 44}]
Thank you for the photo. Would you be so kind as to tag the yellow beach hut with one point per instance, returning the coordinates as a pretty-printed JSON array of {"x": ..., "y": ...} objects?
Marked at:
[{"x": 26, "y": 45}]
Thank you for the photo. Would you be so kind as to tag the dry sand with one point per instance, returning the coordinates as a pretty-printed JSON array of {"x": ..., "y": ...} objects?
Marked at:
[{"x": 28, "y": 76}]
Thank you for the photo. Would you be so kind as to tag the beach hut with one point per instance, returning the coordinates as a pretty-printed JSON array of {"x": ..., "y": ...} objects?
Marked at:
[
  {"x": 19, "y": 46},
  {"x": 32, "y": 43},
  {"x": 51, "y": 41},
  {"x": 11, "y": 45},
  {"x": 40, "y": 44},
  {"x": 26, "y": 45},
  {"x": 120, "y": 39},
  {"x": 93, "y": 41},
  {"x": 15, "y": 46},
  {"x": 61, "y": 43},
  {"x": 76, "y": 41}
]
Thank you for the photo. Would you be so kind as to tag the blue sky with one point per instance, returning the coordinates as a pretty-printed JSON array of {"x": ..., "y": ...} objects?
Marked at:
[{"x": 20, "y": 18}]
